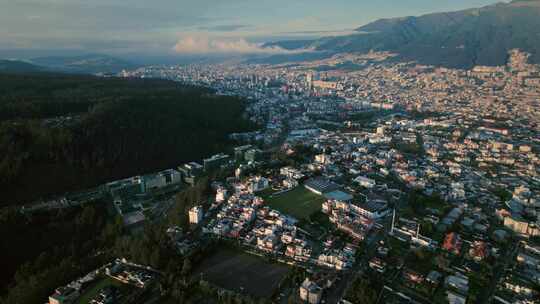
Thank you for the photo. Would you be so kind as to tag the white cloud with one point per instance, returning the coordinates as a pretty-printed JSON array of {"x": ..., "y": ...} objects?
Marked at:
[{"x": 205, "y": 45}]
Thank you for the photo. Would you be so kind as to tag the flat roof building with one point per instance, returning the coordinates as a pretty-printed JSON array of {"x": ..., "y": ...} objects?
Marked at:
[{"x": 320, "y": 186}]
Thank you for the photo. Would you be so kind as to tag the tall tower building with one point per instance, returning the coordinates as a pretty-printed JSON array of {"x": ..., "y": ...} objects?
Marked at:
[{"x": 309, "y": 81}]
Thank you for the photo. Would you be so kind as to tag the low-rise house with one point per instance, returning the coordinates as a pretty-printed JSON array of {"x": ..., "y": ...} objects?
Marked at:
[
  {"x": 458, "y": 282},
  {"x": 64, "y": 295},
  {"x": 413, "y": 276},
  {"x": 455, "y": 298},
  {"x": 434, "y": 277},
  {"x": 377, "y": 265},
  {"x": 478, "y": 250},
  {"x": 365, "y": 182},
  {"x": 452, "y": 243}
]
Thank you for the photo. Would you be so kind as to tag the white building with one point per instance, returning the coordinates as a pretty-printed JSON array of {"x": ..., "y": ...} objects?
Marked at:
[
  {"x": 310, "y": 292},
  {"x": 365, "y": 182},
  {"x": 290, "y": 183},
  {"x": 257, "y": 184},
  {"x": 371, "y": 209},
  {"x": 321, "y": 159},
  {"x": 221, "y": 195},
  {"x": 291, "y": 173},
  {"x": 195, "y": 215},
  {"x": 459, "y": 282}
]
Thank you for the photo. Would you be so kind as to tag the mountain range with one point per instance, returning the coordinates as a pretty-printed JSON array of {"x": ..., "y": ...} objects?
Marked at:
[
  {"x": 82, "y": 64},
  {"x": 91, "y": 63},
  {"x": 461, "y": 39},
  {"x": 15, "y": 66}
]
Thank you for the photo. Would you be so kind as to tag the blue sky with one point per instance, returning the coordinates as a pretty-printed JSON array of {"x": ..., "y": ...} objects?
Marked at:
[{"x": 157, "y": 26}]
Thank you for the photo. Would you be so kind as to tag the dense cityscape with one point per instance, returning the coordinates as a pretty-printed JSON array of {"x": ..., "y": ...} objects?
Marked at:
[
  {"x": 419, "y": 179},
  {"x": 270, "y": 152}
]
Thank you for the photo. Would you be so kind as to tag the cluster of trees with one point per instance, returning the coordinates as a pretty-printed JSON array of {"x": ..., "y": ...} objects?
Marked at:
[
  {"x": 364, "y": 290},
  {"x": 416, "y": 148},
  {"x": 44, "y": 251},
  {"x": 419, "y": 201},
  {"x": 302, "y": 154},
  {"x": 186, "y": 200},
  {"x": 503, "y": 194},
  {"x": 113, "y": 128}
]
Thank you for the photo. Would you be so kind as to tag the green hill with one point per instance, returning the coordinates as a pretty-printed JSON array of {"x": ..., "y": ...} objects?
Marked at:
[
  {"x": 14, "y": 66},
  {"x": 91, "y": 63},
  {"x": 62, "y": 133}
]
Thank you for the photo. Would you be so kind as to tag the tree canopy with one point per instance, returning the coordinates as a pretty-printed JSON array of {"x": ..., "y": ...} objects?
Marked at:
[{"x": 61, "y": 133}]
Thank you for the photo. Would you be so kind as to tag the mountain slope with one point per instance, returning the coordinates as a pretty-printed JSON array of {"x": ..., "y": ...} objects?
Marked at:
[
  {"x": 14, "y": 66},
  {"x": 93, "y": 63},
  {"x": 481, "y": 36}
]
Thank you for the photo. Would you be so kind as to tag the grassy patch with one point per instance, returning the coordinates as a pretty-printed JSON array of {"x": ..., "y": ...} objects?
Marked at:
[
  {"x": 397, "y": 248},
  {"x": 420, "y": 260},
  {"x": 321, "y": 220},
  {"x": 266, "y": 193},
  {"x": 299, "y": 203}
]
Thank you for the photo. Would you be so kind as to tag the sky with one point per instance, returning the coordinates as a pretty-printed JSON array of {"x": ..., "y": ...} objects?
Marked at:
[{"x": 192, "y": 26}]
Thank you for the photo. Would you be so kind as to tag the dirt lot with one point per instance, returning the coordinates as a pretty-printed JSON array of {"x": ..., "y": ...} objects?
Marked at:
[{"x": 237, "y": 271}]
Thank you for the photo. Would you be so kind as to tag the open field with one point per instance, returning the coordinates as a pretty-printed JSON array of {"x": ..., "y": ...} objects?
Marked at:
[
  {"x": 299, "y": 202},
  {"x": 93, "y": 290},
  {"x": 237, "y": 271}
]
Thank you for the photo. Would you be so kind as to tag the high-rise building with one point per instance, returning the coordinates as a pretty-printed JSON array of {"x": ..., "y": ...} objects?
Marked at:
[{"x": 309, "y": 81}]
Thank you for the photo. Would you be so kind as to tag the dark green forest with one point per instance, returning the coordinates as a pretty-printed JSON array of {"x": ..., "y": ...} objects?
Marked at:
[
  {"x": 42, "y": 252},
  {"x": 61, "y": 133}
]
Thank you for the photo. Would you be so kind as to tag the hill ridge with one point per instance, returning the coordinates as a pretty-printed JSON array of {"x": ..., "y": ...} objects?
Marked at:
[{"x": 459, "y": 39}]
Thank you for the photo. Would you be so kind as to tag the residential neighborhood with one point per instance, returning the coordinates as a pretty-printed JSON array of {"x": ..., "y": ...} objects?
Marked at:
[{"x": 421, "y": 181}]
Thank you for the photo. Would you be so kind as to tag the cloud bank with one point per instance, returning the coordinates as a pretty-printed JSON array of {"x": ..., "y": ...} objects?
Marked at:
[
  {"x": 204, "y": 45},
  {"x": 224, "y": 28}
]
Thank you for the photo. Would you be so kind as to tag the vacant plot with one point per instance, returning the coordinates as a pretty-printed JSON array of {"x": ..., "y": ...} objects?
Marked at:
[
  {"x": 239, "y": 271},
  {"x": 299, "y": 203}
]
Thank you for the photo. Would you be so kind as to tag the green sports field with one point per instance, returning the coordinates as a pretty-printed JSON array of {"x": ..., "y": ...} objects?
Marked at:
[{"x": 299, "y": 202}]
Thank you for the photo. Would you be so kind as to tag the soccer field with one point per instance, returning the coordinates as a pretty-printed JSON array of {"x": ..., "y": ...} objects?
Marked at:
[{"x": 299, "y": 202}]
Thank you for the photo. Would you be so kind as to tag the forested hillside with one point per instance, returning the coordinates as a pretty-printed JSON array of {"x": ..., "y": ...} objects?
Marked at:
[{"x": 61, "y": 133}]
